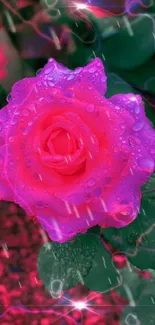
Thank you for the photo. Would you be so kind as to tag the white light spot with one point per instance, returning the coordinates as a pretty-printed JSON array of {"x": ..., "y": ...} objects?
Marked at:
[
  {"x": 104, "y": 262},
  {"x": 40, "y": 177},
  {"x": 68, "y": 207},
  {"x": 79, "y": 305},
  {"x": 104, "y": 205},
  {"x": 57, "y": 229},
  {"x": 90, "y": 213},
  {"x": 133, "y": 99},
  {"x": 36, "y": 280},
  {"x": 76, "y": 211},
  {"x": 20, "y": 284},
  {"x": 81, "y": 6}
]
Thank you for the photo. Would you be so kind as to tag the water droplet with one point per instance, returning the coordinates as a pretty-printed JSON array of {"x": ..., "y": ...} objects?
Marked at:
[
  {"x": 11, "y": 163},
  {"x": 1, "y": 159},
  {"x": 146, "y": 164},
  {"x": 98, "y": 192},
  {"x": 137, "y": 108},
  {"x": 17, "y": 111},
  {"x": 30, "y": 123},
  {"x": 78, "y": 70},
  {"x": 38, "y": 71},
  {"x": 14, "y": 121},
  {"x": 152, "y": 150},
  {"x": 8, "y": 98},
  {"x": 1, "y": 126},
  {"x": 138, "y": 125},
  {"x": 25, "y": 131},
  {"x": 48, "y": 70},
  {"x": 117, "y": 107},
  {"x": 107, "y": 180},
  {"x": 50, "y": 78},
  {"x": 70, "y": 77},
  {"x": 11, "y": 139},
  {"x": 90, "y": 108},
  {"x": 39, "y": 204},
  {"x": 122, "y": 126},
  {"x": 91, "y": 182},
  {"x": 25, "y": 112},
  {"x": 123, "y": 155},
  {"x": 49, "y": 98},
  {"x": 92, "y": 70},
  {"x": 88, "y": 197},
  {"x": 28, "y": 162},
  {"x": 2, "y": 142},
  {"x": 68, "y": 94},
  {"x": 50, "y": 83},
  {"x": 22, "y": 146}
]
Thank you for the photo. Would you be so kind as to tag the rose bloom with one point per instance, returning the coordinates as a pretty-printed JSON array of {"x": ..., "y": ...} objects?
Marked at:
[{"x": 72, "y": 157}]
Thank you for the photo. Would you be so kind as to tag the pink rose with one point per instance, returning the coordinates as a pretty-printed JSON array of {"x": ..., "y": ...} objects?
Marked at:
[{"x": 72, "y": 157}]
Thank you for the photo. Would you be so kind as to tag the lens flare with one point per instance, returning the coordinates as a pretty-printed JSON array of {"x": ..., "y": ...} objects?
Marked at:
[
  {"x": 81, "y": 6},
  {"x": 79, "y": 305}
]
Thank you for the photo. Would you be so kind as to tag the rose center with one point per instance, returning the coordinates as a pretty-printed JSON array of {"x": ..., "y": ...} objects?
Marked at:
[{"x": 61, "y": 142}]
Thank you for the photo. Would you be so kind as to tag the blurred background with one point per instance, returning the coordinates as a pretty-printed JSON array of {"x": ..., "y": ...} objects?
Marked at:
[{"x": 122, "y": 34}]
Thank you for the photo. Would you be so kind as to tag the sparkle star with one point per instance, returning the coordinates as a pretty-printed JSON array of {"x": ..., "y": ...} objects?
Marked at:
[
  {"x": 79, "y": 305},
  {"x": 81, "y": 6}
]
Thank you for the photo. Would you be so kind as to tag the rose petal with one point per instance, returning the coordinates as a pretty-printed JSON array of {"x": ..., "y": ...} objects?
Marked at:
[{"x": 59, "y": 76}]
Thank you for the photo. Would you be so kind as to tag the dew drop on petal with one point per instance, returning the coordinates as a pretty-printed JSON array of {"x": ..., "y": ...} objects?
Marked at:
[
  {"x": 137, "y": 108},
  {"x": 28, "y": 162},
  {"x": 138, "y": 125},
  {"x": 70, "y": 77},
  {"x": 50, "y": 83},
  {"x": 92, "y": 70},
  {"x": 38, "y": 71},
  {"x": 98, "y": 192},
  {"x": 146, "y": 164},
  {"x": 107, "y": 180},
  {"x": 1, "y": 159},
  {"x": 39, "y": 204},
  {"x": 88, "y": 189},
  {"x": 14, "y": 121},
  {"x": 8, "y": 98},
  {"x": 91, "y": 182},
  {"x": 122, "y": 125},
  {"x": 90, "y": 107},
  {"x": 11, "y": 139},
  {"x": 152, "y": 150},
  {"x": 2, "y": 142},
  {"x": 48, "y": 70},
  {"x": 30, "y": 123},
  {"x": 25, "y": 112},
  {"x": 117, "y": 107},
  {"x": 25, "y": 131},
  {"x": 17, "y": 111},
  {"x": 1, "y": 126}
]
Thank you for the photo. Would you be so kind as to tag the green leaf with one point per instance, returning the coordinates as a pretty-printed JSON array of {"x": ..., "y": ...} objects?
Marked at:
[
  {"x": 122, "y": 51},
  {"x": 137, "y": 240},
  {"x": 67, "y": 263},
  {"x": 144, "y": 311},
  {"x": 132, "y": 285},
  {"x": 116, "y": 85},
  {"x": 103, "y": 275}
]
